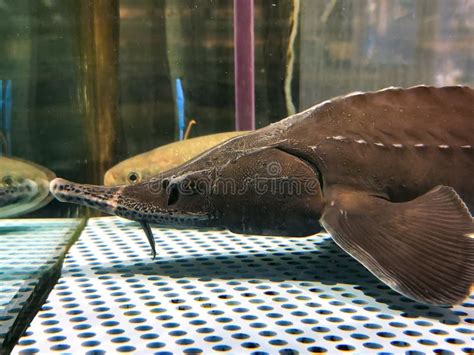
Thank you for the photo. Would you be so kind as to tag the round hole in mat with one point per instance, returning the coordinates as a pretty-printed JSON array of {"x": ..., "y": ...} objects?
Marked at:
[
  {"x": 443, "y": 352},
  {"x": 224, "y": 319},
  {"x": 95, "y": 352},
  {"x": 278, "y": 342},
  {"x": 250, "y": 345},
  {"x": 184, "y": 341},
  {"x": 149, "y": 336},
  {"x": 288, "y": 352},
  {"x": 60, "y": 347},
  {"x": 78, "y": 319},
  {"x": 274, "y": 315},
  {"x": 126, "y": 349},
  {"x": 267, "y": 333},
  {"x": 143, "y": 328},
  {"x": 156, "y": 345},
  {"x": 317, "y": 349},
  {"x": 374, "y": 346},
  {"x": 345, "y": 347},
  {"x": 438, "y": 331},
  {"x": 400, "y": 344},
  {"x": 213, "y": 339},
  {"x": 24, "y": 342},
  {"x": 90, "y": 343},
  {"x": 386, "y": 335},
  {"x": 82, "y": 326},
  {"x": 86, "y": 335},
  {"x": 398, "y": 324},
  {"x": 192, "y": 351},
  {"x": 332, "y": 338},
  {"x": 372, "y": 326},
  {"x": 346, "y": 327},
  {"x": 110, "y": 323},
  {"x": 240, "y": 336},
  {"x": 53, "y": 330},
  {"x": 232, "y": 327},
  {"x": 423, "y": 323},
  {"x": 359, "y": 336},
  {"x": 177, "y": 333},
  {"x": 320, "y": 329},
  {"x": 57, "y": 338},
  {"x": 221, "y": 347},
  {"x": 29, "y": 351},
  {"x": 205, "y": 330},
  {"x": 258, "y": 325},
  {"x": 428, "y": 342}
]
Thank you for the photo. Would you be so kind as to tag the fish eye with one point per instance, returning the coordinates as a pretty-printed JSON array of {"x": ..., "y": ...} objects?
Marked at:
[
  {"x": 7, "y": 180},
  {"x": 133, "y": 177}
]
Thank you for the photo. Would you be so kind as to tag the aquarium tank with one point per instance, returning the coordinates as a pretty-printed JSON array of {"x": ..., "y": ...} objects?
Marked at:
[{"x": 113, "y": 93}]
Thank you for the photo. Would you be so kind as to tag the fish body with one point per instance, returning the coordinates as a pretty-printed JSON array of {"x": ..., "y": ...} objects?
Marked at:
[
  {"x": 24, "y": 186},
  {"x": 146, "y": 165},
  {"x": 394, "y": 143},
  {"x": 386, "y": 173},
  {"x": 17, "y": 192}
]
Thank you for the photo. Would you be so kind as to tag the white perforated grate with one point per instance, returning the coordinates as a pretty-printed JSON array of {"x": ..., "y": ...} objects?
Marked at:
[
  {"x": 213, "y": 291},
  {"x": 29, "y": 248}
]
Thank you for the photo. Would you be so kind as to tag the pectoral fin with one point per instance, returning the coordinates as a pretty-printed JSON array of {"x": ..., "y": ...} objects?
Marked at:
[
  {"x": 149, "y": 235},
  {"x": 423, "y": 248}
]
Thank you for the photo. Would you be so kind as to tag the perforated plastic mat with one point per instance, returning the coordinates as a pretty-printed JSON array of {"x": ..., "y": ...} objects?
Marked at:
[
  {"x": 213, "y": 291},
  {"x": 29, "y": 248}
]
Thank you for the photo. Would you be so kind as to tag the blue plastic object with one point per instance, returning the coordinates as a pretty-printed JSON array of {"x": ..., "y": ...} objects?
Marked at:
[
  {"x": 6, "y": 104},
  {"x": 180, "y": 108}
]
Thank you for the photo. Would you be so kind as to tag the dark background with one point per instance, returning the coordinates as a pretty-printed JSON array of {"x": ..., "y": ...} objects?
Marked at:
[{"x": 93, "y": 82}]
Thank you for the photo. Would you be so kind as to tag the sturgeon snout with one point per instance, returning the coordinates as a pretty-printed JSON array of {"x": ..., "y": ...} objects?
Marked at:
[
  {"x": 138, "y": 202},
  {"x": 98, "y": 197}
]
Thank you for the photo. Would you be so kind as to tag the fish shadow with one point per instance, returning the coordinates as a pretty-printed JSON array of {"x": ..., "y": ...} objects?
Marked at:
[{"x": 326, "y": 272}]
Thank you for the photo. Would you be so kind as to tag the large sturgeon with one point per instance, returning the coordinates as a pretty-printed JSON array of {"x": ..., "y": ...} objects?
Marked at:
[{"x": 388, "y": 174}]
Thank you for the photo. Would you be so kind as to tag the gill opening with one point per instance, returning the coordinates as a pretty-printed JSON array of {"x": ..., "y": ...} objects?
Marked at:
[{"x": 305, "y": 159}]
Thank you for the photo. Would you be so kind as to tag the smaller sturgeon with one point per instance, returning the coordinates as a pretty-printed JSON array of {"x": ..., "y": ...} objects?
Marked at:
[
  {"x": 388, "y": 174},
  {"x": 17, "y": 192},
  {"x": 144, "y": 166},
  {"x": 24, "y": 186}
]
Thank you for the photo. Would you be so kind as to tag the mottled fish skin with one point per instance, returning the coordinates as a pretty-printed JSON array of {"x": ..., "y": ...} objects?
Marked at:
[
  {"x": 144, "y": 166},
  {"x": 21, "y": 192},
  {"x": 387, "y": 173},
  {"x": 24, "y": 186}
]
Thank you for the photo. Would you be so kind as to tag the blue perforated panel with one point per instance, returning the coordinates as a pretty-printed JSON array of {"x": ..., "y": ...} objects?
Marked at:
[
  {"x": 28, "y": 249},
  {"x": 213, "y": 291}
]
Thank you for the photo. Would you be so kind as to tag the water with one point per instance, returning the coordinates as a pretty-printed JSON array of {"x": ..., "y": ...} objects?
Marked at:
[{"x": 91, "y": 84}]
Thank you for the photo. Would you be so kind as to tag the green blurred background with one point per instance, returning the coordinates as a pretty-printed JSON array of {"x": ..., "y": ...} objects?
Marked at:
[{"x": 93, "y": 81}]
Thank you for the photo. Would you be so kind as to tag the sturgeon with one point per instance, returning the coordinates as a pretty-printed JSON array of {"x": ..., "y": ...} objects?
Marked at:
[
  {"x": 388, "y": 174},
  {"x": 24, "y": 186},
  {"x": 153, "y": 162}
]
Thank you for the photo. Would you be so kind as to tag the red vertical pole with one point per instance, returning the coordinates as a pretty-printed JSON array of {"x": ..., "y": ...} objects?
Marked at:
[{"x": 244, "y": 65}]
